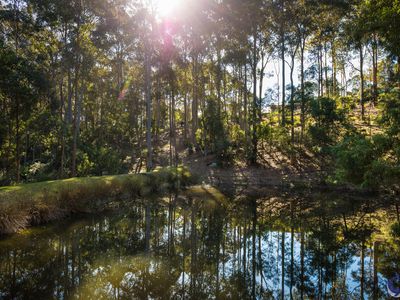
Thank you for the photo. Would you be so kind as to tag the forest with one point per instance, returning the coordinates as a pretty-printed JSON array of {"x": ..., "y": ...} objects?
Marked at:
[
  {"x": 123, "y": 86},
  {"x": 199, "y": 149}
]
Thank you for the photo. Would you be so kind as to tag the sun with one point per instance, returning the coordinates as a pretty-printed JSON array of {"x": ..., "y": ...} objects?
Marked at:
[{"x": 167, "y": 8}]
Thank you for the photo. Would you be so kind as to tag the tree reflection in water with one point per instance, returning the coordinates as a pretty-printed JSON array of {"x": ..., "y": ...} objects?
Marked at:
[{"x": 200, "y": 246}]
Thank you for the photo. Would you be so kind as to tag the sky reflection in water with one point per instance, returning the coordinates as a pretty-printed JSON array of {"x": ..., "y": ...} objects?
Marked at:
[{"x": 199, "y": 246}]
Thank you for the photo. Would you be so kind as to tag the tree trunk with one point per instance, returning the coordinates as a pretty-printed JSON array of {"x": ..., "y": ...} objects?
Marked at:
[
  {"x": 173, "y": 129},
  {"x": 362, "y": 82},
  {"x": 219, "y": 79},
  {"x": 185, "y": 114},
  {"x": 320, "y": 75},
  {"x": 292, "y": 93},
  {"x": 17, "y": 142},
  {"x": 283, "y": 79},
  {"x": 334, "y": 69},
  {"x": 255, "y": 120},
  {"x": 62, "y": 131},
  {"x": 245, "y": 106},
  {"x": 76, "y": 126},
  {"x": 326, "y": 69},
  {"x": 68, "y": 115},
  {"x": 77, "y": 107},
  {"x": 195, "y": 99},
  {"x": 17, "y": 100},
  {"x": 260, "y": 86},
  {"x": 147, "y": 91},
  {"x": 375, "y": 69},
  {"x": 303, "y": 100}
]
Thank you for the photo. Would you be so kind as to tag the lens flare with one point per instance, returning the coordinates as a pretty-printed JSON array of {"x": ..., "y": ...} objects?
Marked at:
[{"x": 167, "y": 8}]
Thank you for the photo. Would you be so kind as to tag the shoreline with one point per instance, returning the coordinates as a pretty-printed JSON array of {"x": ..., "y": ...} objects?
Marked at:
[{"x": 37, "y": 203}]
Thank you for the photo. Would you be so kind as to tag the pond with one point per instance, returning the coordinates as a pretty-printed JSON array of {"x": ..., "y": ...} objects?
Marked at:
[{"x": 200, "y": 245}]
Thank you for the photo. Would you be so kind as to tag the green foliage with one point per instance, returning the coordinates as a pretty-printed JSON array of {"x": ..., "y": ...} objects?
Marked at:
[
  {"x": 383, "y": 16},
  {"x": 85, "y": 165},
  {"x": 395, "y": 229},
  {"x": 328, "y": 119},
  {"x": 325, "y": 111},
  {"x": 72, "y": 84},
  {"x": 391, "y": 112},
  {"x": 37, "y": 171},
  {"x": 354, "y": 156},
  {"x": 265, "y": 131},
  {"x": 100, "y": 160},
  {"x": 24, "y": 205},
  {"x": 372, "y": 162},
  {"x": 280, "y": 136},
  {"x": 362, "y": 161},
  {"x": 237, "y": 135},
  {"x": 347, "y": 103},
  {"x": 214, "y": 132},
  {"x": 382, "y": 173}
]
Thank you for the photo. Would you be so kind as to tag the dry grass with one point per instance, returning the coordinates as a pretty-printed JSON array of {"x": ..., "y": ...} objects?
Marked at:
[{"x": 35, "y": 203}]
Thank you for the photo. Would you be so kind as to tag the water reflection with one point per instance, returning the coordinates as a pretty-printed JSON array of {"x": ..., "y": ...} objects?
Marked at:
[{"x": 198, "y": 245}]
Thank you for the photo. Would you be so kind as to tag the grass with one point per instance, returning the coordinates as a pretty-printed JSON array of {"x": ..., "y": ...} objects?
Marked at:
[{"x": 35, "y": 203}]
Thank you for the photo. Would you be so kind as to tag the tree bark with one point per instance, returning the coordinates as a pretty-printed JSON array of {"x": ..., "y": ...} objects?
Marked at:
[
  {"x": 245, "y": 105},
  {"x": 362, "y": 82},
  {"x": 326, "y": 69},
  {"x": 334, "y": 68},
  {"x": 147, "y": 90},
  {"x": 185, "y": 114},
  {"x": 17, "y": 142},
  {"x": 174, "y": 160},
  {"x": 283, "y": 79},
  {"x": 77, "y": 107},
  {"x": 195, "y": 99},
  {"x": 375, "y": 69},
  {"x": 303, "y": 100},
  {"x": 292, "y": 93},
  {"x": 255, "y": 120}
]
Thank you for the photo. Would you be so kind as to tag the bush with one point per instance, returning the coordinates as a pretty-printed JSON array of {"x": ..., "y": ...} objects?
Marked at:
[
  {"x": 281, "y": 136},
  {"x": 395, "y": 229},
  {"x": 353, "y": 158},
  {"x": 85, "y": 166},
  {"x": 107, "y": 160},
  {"x": 37, "y": 171},
  {"x": 381, "y": 173},
  {"x": 327, "y": 120},
  {"x": 391, "y": 111},
  {"x": 364, "y": 162},
  {"x": 213, "y": 137}
]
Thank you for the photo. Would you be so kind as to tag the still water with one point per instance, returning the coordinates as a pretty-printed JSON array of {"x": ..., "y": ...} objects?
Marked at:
[{"x": 203, "y": 246}]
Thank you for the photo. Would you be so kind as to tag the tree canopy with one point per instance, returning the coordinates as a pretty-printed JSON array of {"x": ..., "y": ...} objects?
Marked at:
[{"x": 105, "y": 87}]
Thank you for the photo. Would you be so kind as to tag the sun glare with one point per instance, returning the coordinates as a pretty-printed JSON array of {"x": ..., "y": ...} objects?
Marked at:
[{"x": 166, "y": 8}]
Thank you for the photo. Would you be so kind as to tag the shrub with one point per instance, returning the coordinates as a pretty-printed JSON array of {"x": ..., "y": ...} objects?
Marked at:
[
  {"x": 353, "y": 158},
  {"x": 395, "y": 229},
  {"x": 364, "y": 162},
  {"x": 36, "y": 171},
  {"x": 327, "y": 120},
  {"x": 84, "y": 164}
]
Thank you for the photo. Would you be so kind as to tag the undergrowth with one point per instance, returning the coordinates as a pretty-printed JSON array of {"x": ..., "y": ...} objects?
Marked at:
[{"x": 36, "y": 203}]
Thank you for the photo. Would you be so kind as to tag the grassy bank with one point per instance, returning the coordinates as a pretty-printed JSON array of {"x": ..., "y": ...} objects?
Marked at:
[{"x": 36, "y": 203}]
